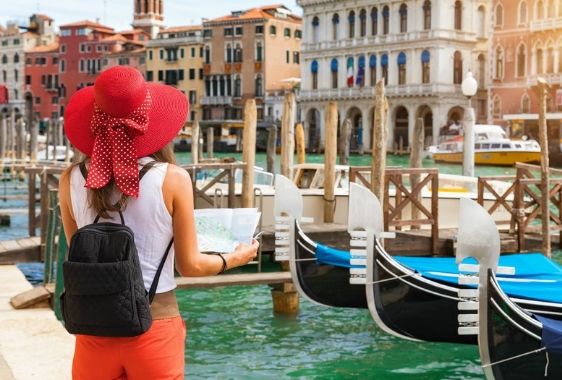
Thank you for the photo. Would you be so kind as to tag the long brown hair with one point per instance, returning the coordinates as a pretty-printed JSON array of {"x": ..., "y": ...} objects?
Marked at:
[{"x": 102, "y": 200}]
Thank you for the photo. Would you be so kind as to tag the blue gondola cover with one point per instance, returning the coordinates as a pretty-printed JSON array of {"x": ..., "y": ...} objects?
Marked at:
[
  {"x": 551, "y": 334},
  {"x": 331, "y": 256}
]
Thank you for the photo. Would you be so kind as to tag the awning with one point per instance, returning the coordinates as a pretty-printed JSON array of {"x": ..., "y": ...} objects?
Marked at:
[{"x": 3, "y": 94}]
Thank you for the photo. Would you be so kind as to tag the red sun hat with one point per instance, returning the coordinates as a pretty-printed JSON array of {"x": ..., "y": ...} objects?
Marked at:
[{"x": 120, "y": 119}]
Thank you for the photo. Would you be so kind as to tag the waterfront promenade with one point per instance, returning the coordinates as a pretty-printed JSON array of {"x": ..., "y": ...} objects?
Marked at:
[{"x": 33, "y": 344}]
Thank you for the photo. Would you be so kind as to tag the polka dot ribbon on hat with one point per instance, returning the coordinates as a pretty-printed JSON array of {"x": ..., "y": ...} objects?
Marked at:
[{"x": 114, "y": 155}]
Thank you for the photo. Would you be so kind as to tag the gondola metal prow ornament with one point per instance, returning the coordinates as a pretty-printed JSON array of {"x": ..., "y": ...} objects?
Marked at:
[{"x": 288, "y": 208}]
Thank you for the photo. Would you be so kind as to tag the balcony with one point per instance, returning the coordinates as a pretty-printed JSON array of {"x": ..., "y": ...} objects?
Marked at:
[
  {"x": 550, "y": 79},
  {"x": 216, "y": 100},
  {"x": 548, "y": 24}
]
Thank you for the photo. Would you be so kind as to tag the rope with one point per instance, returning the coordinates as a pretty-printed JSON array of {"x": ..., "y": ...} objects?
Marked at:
[
  {"x": 390, "y": 279},
  {"x": 517, "y": 357},
  {"x": 546, "y": 366}
]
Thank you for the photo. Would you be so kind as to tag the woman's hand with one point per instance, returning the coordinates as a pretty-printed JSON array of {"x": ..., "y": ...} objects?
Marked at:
[{"x": 245, "y": 253}]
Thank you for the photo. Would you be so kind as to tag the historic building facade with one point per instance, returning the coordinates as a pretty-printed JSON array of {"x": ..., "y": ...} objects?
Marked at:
[
  {"x": 175, "y": 57},
  {"x": 42, "y": 80},
  {"x": 526, "y": 44},
  {"x": 148, "y": 16},
  {"x": 249, "y": 54},
  {"x": 422, "y": 49}
]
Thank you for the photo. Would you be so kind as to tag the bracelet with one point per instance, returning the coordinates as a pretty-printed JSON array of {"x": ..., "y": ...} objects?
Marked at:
[{"x": 223, "y": 263}]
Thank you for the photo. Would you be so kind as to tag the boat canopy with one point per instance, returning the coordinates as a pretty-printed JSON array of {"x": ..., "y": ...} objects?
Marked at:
[{"x": 551, "y": 334}]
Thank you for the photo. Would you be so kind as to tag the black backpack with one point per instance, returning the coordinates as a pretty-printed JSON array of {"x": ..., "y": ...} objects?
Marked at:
[{"x": 104, "y": 289}]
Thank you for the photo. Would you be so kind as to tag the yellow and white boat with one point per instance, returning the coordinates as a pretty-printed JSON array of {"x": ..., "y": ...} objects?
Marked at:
[{"x": 491, "y": 147}]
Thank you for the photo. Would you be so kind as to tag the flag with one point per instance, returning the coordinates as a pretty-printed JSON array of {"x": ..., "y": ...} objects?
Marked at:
[{"x": 350, "y": 72}]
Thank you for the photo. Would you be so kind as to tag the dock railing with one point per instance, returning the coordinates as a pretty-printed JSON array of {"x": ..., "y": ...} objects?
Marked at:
[{"x": 408, "y": 184}]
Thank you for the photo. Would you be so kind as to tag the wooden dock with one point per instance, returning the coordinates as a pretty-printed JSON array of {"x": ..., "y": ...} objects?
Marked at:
[
  {"x": 20, "y": 250},
  {"x": 264, "y": 278}
]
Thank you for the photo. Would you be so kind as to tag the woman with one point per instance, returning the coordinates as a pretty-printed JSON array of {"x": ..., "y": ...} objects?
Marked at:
[{"x": 122, "y": 123}]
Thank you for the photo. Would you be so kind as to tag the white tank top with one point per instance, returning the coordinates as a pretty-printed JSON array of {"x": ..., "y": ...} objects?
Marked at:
[{"x": 146, "y": 215}]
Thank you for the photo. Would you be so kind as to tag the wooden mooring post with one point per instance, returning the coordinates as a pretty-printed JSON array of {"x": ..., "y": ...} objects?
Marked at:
[
  {"x": 345, "y": 136},
  {"x": 416, "y": 162},
  {"x": 330, "y": 153},
  {"x": 288, "y": 134},
  {"x": 543, "y": 90},
  {"x": 271, "y": 148},
  {"x": 195, "y": 129},
  {"x": 299, "y": 138},
  {"x": 249, "y": 153},
  {"x": 380, "y": 133}
]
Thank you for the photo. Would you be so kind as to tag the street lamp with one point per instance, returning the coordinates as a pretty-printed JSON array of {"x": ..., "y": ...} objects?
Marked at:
[{"x": 469, "y": 88}]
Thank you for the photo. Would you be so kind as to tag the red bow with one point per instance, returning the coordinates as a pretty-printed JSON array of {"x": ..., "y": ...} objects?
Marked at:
[{"x": 114, "y": 155}]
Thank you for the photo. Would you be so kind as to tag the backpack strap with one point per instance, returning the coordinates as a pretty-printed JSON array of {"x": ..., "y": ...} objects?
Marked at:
[{"x": 152, "y": 291}]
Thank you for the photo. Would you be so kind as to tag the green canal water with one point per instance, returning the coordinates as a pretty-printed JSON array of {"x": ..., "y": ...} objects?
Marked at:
[{"x": 233, "y": 334}]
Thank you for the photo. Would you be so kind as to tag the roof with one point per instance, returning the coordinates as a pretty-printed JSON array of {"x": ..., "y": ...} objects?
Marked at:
[
  {"x": 258, "y": 14},
  {"x": 88, "y": 24},
  {"x": 50, "y": 48},
  {"x": 42, "y": 16},
  {"x": 115, "y": 37},
  {"x": 186, "y": 28}
]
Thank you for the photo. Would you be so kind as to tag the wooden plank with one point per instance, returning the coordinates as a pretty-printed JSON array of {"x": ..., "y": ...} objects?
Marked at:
[
  {"x": 233, "y": 280},
  {"x": 30, "y": 297}
]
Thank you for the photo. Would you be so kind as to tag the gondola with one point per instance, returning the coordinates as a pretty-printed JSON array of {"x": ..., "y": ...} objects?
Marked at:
[{"x": 513, "y": 343}]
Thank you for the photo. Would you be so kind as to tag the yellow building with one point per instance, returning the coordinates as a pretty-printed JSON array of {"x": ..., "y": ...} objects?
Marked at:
[{"x": 175, "y": 58}]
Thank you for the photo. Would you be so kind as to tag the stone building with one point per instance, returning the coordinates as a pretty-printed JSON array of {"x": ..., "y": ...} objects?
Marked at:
[
  {"x": 148, "y": 16},
  {"x": 42, "y": 80},
  {"x": 422, "y": 49},
  {"x": 175, "y": 57},
  {"x": 248, "y": 54},
  {"x": 526, "y": 44}
]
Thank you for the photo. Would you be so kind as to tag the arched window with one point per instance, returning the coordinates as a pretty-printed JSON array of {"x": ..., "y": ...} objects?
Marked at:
[
  {"x": 145, "y": 6},
  {"x": 499, "y": 15},
  {"x": 385, "y": 20},
  {"x": 560, "y": 56},
  {"x": 259, "y": 86},
  {"x": 334, "y": 71},
  {"x": 361, "y": 72},
  {"x": 273, "y": 30},
  {"x": 228, "y": 53},
  {"x": 540, "y": 60},
  {"x": 207, "y": 55},
  {"x": 237, "y": 86},
  {"x": 384, "y": 68},
  {"x": 457, "y": 68},
  {"x": 525, "y": 104},
  {"x": 315, "y": 29},
  {"x": 373, "y": 69},
  {"x": 499, "y": 63},
  {"x": 335, "y": 26},
  {"x": 363, "y": 23},
  {"x": 314, "y": 71},
  {"x": 540, "y": 10},
  {"x": 4, "y": 76},
  {"x": 551, "y": 12},
  {"x": 138, "y": 6},
  {"x": 425, "y": 60},
  {"x": 351, "y": 23},
  {"x": 497, "y": 107},
  {"x": 238, "y": 53},
  {"x": 481, "y": 71},
  {"x": 160, "y": 7},
  {"x": 4, "y": 58},
  {"x": 259, "y": 52},
  {"x": 350, "y": 68},
  {"x": 16, "y": 58},
  {"x": 403, "y": 18},
  {"x": 458, "y": 15},
  {"x": 481, "y": 22},
  {"x": 374, "y": 21},
  {"x": 522, "y": 12},
  {"x": 427, "y": 15},
  {"x": 401, "y": 68},
  {"x": 549, "y": 58}
]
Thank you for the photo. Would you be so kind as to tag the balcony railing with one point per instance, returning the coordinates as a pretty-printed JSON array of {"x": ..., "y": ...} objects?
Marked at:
[
  {"x": 548, "y": 24},
  {"x": 216, "y": 100},
  {"x": 550, "y": 79}
]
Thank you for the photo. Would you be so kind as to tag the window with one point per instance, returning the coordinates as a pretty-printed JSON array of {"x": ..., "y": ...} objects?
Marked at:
[
  {"x": 481, "y": 17},
  {"x": 361, "y": 72},
  {"x": 481, "y": 71},
  {"x": 149, "y": 76},
  {"x": 350, "y": 69},
  {"x": 150, "y": 55},
  {"x": 427, "y": 15},
  {"x": 181, "y": 74},
  {"x": 160, "y": 75},
  {"x": 499, "y": 63},
  {"x": 426, "y": 59},
  {"x": 296, "y": 57},
  {"x": 315, "y": 29},
  {"x": 66, "y": 32},
  {"x": 363, "y": 23},
  {"x": 207, "y": 55},
  {"x": 334, "y": 71},
  {"x": 351, "y": 24},
  {"x": 237, "y": 87},
  {"x": 259, "y": 52},
  {"x": 314, "y": 71},
  {"x": 374, "y": 21},
  {"x": 385, "y": 20},
  {"x": 402, "y": 68},
  {"x": 403, "y": 18},
  {"x": 228, "y": 32},
  {"x": 259, "y": 85},
  {"x": 540, "y": 60},
  {"x": 273, "y": 30},
  {"x": 207, "y": 33},
  {"x": 239, "y": 31},
  {"x": 16, "y": 58},
  {"x": 37, "y": 100},
  {"x": 335, "y": 26},
  {"x": 161, "y": 53},
  {"x": 499, "y": 15},
  {"x": 458, "y": 15},
  {"x": 55, "y": 100},
  {"x": 62, "y": 66},
  {"x": 4, "y": 59},
  {"x": 16, "y": 74},
  {"x": 549, "y": 59},
  {"x": 259, "y": 29},
  {"x": 525, "y": 104},
  {"x": 298, "y": 34},
  {"x": 287, "y": 33},
  {"x": 384, "y": 68},
  {"x": 229, "y": 52},
  {"x": 191, "y": 74},
  {"x": 496, "y": 107},
  {"x": 4, "y": 75},
  {"x": 193, "y": 97},
  {"x": 238, "y": 53},
  {"x": 457, "y": 68},
  {"x": 373, "y": 70},
  {"x": 523, "y": 12},
  {"x": 82, "y": 66},
  {"x": 55, "y": 61},
  {"x": 201, "y": 74},
  {"x": 28, "y": 79},
  {"x": 123, "y": 61},
  {"x": 287, "y": 56}
]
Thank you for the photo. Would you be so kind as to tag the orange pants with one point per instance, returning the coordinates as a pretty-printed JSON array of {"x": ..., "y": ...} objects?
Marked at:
[{"x": 157, "y": 354}]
